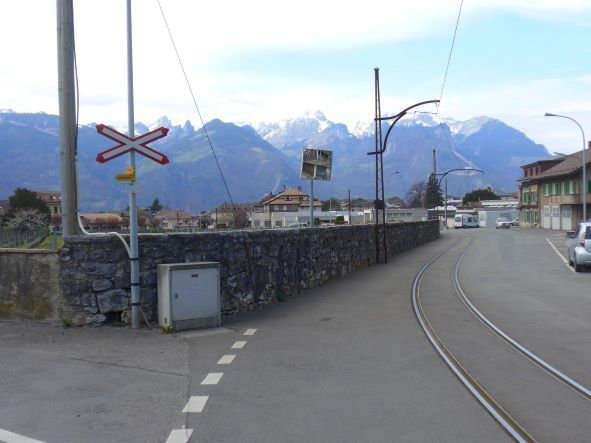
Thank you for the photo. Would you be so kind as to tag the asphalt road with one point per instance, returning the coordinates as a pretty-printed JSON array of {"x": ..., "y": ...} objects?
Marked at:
[
  {"x": 345, "y": 362},
  {"x": 342, "y": 363},
  {"x": 499, "y": 285}
]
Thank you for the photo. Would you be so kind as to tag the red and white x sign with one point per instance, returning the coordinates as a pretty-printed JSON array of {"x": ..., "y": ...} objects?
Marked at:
[{"x": 128, "y": 144}]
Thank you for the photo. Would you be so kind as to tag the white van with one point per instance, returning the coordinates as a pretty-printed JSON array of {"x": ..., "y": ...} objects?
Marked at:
[
  {"x": 298, "y": 225},
  {"x": 465, "y": 221}
]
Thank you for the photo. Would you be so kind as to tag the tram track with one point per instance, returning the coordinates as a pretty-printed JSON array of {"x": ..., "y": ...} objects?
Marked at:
[
  {"x": 516, "y": 430},
  {"x": 538, "y": 361}
]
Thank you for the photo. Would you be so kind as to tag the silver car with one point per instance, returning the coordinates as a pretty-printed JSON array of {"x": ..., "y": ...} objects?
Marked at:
[
  {"x": 503, "y": 223},
  {"x": 579, "y": 246}
]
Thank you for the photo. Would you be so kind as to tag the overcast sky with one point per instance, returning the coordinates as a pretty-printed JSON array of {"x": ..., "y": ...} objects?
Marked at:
[{"x": 263, "y": 60}]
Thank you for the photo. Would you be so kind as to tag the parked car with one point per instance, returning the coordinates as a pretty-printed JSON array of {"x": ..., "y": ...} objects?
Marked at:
[
  {"x": 579, "y": 246},
  {"x": 515, "y": 222},
  {"x": 503, "y": 223}
]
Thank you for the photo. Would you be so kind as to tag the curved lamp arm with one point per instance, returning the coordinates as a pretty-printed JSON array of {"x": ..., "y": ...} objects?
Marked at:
[
  {"x": 457, "y": 169},
  {"x": 396, "y": 118}
]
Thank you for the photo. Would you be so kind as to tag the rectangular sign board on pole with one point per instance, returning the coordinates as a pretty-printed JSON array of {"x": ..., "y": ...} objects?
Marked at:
[
  {"x": 125, "y": 177},
  {"x": 316, "y": 164}
]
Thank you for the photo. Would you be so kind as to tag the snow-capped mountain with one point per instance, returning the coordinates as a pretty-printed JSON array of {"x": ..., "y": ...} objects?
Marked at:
[
  {"x": 294, "y": 130},
  {"x": 253, "y": 166},
  {"x": 162, "y": 122},
  {"x": 458, "y": 144}
]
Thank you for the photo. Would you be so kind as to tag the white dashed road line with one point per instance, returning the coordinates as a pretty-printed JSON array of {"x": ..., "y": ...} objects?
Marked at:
[
  {"x": 11, "y": 437},
  {"x": 213, "y": 378},
  {"x": 560, "y": 255},
  {"x": 226, "y": 359},
  {"x": 179, "y": 436},
  {"x": 196, "y": 403}
]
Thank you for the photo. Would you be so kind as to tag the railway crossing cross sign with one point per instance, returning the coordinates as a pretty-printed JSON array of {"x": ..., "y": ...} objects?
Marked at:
[{"x": 128, "y": 144}]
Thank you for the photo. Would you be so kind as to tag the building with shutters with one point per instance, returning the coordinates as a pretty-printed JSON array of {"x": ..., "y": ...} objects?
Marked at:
[{"x": 550, "y": 194}]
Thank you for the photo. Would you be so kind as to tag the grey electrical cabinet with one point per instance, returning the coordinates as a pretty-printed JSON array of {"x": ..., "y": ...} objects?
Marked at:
[{"x": 189, "y": 295}]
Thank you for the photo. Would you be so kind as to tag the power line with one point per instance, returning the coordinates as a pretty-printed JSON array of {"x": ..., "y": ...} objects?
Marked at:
[
  {"x": 451, "y": 49},
  {"x": 234, "y": 210},
  {"x": 450, "y": 142},
  {"x": 195, "y": 101}
]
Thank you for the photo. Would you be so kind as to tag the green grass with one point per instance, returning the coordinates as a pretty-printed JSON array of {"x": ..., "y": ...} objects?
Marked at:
[
  {"x": 46, "y": 243},
  {"x": 282, "y": 297}
]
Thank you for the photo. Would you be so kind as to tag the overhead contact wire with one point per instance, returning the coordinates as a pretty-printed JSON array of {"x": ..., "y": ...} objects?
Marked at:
[
  {"x": 451, "y": 49},
  {"x": 246, "y": 251}
]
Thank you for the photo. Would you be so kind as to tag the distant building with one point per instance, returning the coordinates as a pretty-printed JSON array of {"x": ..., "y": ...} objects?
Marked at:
[
  {"x": 357, "y": 204},
  {"x": 104, "y": 221},
  {"x": 172, "y": 219},
  {"x": 53, "y": 200},
  {"x": 397, "y": 215},
  {"x": 395, "y": 202},
  {"x": 227, "y": 216},
  {"x": 290, "y": 206}
]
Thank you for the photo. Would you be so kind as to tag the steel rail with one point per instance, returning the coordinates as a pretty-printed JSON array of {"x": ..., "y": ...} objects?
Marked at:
[
  {"x": 579, "y": 388},
  {"x": 513, "y": 428}
]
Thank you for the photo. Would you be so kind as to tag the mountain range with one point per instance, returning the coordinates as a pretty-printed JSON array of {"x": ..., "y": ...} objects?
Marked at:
[{"x": 264, "y": 158}]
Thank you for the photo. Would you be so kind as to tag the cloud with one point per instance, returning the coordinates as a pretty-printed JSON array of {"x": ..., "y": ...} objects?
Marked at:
[{"x": 208, "y": 30}]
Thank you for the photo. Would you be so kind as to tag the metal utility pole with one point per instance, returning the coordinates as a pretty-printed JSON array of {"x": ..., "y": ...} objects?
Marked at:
[
  {"x": 434, "y": 162},
  {"x": 311, "y": 202},
  {"x": 133, "y": 229},
  {"x": 350, "y": 207},
  {"x": 67, "y": 117},
  {"x": 380, "y": 149},
  {"x": 379, "y": 202}
]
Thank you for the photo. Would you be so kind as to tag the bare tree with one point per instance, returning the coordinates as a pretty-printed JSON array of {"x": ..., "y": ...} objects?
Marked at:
[
  {"x": 27, "y": 220},
  {"x": 415, "y": 197},
  {"x": 154, "y": 222}
]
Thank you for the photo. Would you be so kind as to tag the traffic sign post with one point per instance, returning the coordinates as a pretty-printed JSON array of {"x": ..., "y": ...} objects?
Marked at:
[{"x": 130, "y": 144}]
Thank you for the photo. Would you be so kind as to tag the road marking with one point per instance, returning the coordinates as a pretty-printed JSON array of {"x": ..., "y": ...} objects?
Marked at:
[
  {"x": 250, "y": 332},
  {"x": 11, "y": 437},
  {"x": 238, "y": 345},
  {"x": 226, "y": 359},
  {"x": 196, "y": 403},
  {"x": 213, "y": 378},
  {"x": 560, "y": 255},
  {"x": 203, "y": 332},
  {"x": 179, "y": 436}
]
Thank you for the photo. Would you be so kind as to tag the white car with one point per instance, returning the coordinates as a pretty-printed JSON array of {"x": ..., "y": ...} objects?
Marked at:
[{"x": 503, "y": 223}]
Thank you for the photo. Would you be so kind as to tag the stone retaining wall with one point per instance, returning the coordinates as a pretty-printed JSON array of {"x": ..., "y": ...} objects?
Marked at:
[
  {"x": 256, "y": 266},
  {"x": 29, "y": 284}
]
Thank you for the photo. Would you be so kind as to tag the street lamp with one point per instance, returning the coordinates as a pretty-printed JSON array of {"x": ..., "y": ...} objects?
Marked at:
[
  {"x": 584, "y": 185},
  {"x": 380, "y": 204},
  {"x": 458, "y": 171}
]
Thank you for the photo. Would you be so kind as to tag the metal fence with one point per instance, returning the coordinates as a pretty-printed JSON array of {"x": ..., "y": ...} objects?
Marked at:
[{"x": 11, "y": 238}]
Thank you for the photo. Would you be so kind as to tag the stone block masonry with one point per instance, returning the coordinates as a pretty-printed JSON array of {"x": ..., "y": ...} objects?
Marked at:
[
  {"x": 29, "y": 285},
  {"x": 256, "y": 267}
]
